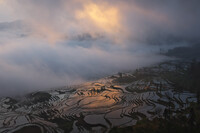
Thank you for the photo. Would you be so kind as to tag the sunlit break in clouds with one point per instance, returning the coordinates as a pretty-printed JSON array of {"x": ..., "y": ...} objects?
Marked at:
[
  {"x": 51, "y": 43},
  {"x": 105, "y": 17}
]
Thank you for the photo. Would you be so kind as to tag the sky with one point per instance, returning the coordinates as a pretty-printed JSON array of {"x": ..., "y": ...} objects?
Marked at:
[{"x": 51, "y": 43}]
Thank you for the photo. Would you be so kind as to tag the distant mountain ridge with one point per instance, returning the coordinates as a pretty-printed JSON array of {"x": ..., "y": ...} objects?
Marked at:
[{"x": 190, "y": 52}]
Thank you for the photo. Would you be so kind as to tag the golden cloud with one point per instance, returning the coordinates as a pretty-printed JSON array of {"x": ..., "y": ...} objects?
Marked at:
[{"x": 103, "y": 16}]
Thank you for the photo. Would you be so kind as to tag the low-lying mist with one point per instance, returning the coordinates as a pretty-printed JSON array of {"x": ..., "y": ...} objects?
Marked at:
[
  {"x": 51, "y": 43},
  {"x": 31, "y": 67}
]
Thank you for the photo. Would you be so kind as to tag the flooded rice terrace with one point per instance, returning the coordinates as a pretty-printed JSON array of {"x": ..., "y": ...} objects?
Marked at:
[{"x": 119, "y": 100}]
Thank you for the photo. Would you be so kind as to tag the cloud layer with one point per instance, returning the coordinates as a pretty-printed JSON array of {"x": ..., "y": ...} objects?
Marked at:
[{"x": 49, "y": 43}]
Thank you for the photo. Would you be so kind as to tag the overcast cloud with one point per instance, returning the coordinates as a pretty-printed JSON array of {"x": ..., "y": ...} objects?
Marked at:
[{"x": 50, "y": 43}]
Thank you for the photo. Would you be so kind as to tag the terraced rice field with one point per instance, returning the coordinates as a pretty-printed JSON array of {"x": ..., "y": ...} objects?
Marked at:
[{"x": 118, "y": 100}]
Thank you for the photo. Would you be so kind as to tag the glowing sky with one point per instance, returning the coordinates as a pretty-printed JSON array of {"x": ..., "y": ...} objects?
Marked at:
[
  {"x": 48, "y": 43},
  {"x": 103, "y": 16}
]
